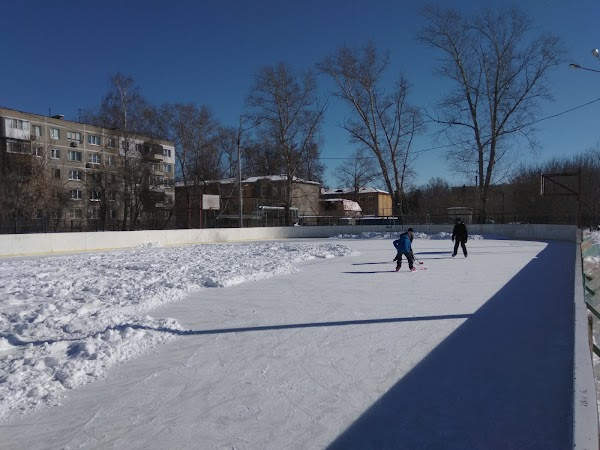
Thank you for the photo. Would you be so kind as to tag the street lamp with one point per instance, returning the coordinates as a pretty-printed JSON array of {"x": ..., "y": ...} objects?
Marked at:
[
  {"x": 595, "y": 54},
  {"x": 239, "y": 155},
  {"x": 577, "y": 66}
]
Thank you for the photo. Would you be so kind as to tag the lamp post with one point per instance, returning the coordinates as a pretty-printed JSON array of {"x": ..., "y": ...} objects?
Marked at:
[
  {"x": 239, "y": 155},
  {"x": 595, "y": 54},
  {"x": 577, "y": 66}
]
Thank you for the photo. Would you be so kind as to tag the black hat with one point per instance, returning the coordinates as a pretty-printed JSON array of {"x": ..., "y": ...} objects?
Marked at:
[
  {"x": 458, "y": 219},
  {"x": 410, "y": 229}
]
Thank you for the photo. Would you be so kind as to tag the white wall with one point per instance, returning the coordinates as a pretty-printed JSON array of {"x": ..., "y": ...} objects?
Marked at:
[
  {"x": 585, "y": 406},
  {"x": 48, "y": 243}
]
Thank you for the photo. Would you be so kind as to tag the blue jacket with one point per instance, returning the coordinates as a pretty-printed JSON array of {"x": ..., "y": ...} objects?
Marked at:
[{"x": 403, "y": 244}]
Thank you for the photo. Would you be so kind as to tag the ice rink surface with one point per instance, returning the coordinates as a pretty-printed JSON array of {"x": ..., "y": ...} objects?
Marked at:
[{"x": 346, "y": 353}]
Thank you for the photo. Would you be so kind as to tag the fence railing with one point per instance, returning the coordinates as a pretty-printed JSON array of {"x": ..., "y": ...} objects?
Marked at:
[{"x": 46, "y": 225}]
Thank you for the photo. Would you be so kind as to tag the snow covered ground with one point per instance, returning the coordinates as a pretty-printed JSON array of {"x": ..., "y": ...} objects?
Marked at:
[
  {"x": 65, "y": 320},
  {"x": 591, "y": 268},
  {"x": 295, "y": 344}
]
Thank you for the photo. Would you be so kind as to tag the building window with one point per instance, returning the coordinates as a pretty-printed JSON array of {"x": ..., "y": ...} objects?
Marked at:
[
  {"x": 36, "y": 131},
  {"x": 55, "y": 214},
  {"x": 94, "y": 213},
  {"x": 54, "y": 133},
  {"x": 37, "y": 151},
  {"x": 95, "y": 196},
  {"x": 167, "y": 152},
  {"x": 93, "y": 139},
  {"x": 112, "y": 214},
  {"x": 14, "y": 146},
  {"x": 75, "y": 175},
  {"x": 73, "y": 136},
  {"x": 95, "y": 158},
  {"x": 110, "y": 142},
  {"x": 111, "y": 160},
  {"x": 76, "y": 194},
  {"x": 56, "y": 173},
  {"x": 55, "y": 153},
  {"x": 75, "y": 214},
  {"x": 16, "y": 123},
  {"x": 74, "y": 155},
  {"x": 112, "y": 196},
  {"x": 166, "y": 168}
]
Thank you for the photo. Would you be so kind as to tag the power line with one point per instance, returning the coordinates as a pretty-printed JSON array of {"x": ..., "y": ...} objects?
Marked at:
[{"x": 467, "y": 141}]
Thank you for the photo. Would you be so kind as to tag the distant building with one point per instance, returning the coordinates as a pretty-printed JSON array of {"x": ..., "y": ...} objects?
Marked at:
[
  {"x": 340, "y": 207},
  {"x": 58, "y": 175},
  {"x": 263, "y": 202},
  {"x": 460, "y": 212},
  {"x": 373, "y": 202}
]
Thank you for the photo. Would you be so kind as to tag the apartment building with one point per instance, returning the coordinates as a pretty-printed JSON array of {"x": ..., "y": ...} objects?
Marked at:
[{"x": 59, "y": 175}]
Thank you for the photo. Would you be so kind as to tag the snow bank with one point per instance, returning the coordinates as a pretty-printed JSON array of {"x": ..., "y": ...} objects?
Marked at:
[
  {"x": 65, "y": 320},
  {"x": 395, "y": 235}
]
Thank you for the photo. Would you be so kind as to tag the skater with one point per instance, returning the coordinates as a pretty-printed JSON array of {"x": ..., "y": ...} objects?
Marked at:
[
  {"x": 404, "y": 247},
  {"x": 460, "y": 236},
  {"x": 398, "y": 254}
]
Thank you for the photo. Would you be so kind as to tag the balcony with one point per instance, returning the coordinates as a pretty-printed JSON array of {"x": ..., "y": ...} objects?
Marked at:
[{"x": 152, "y": 153}]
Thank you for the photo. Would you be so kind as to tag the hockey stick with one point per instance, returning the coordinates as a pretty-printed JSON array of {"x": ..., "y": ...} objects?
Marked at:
[{"x": 415, "y": 258}]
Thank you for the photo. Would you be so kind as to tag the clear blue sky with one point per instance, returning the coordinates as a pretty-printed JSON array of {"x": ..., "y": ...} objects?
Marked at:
[{"x": 59, "y": 55}]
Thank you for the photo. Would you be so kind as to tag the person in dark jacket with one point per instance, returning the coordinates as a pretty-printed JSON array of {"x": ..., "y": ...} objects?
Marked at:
[
  {"x": 460, "y": 236},
  {"x": 404, "y": 247}
]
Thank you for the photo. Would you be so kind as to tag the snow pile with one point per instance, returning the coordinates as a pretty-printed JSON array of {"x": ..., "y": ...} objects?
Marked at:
[
  {"x": 395, "y": 235},
  {"x": 367, "y": 235},
  {"x": 65, "y": 320}
]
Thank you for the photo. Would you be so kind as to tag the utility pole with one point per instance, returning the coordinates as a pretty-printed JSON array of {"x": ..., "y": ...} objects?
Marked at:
[{"x": 239, "y": 155}]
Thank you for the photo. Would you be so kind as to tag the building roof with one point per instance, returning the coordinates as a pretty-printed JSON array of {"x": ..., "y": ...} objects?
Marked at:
[
  {"x": 253, "y": 180},
  {"x": 364, "y": 190},
  {"x": 348, "y": 205}
]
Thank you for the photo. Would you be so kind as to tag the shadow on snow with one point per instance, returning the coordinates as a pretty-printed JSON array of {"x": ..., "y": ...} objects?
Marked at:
[{"x": 501, "y": 380}]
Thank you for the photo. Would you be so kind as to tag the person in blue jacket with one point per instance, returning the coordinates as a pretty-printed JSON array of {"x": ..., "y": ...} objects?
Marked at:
[{"x": 404, "y": 247}]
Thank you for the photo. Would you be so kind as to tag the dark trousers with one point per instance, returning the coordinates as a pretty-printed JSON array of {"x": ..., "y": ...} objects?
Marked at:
[
  {"x": 409, "y": 258},
  {"x": 462, "y": 244}
]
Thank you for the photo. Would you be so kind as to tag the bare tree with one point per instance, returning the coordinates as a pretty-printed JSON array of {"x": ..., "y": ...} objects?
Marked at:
[
  {"x": 500, "y": 76},
  {"x": 205, "y": 151},
  {"x": 198, "y": 138},
  {"x": 381, "y": 120},
  {"x": 434, "y": 198},
  {"x": 289, "y": 115},
  {"x": 124, "y": 110},
  {"x": 30, "y": 188},
  {"x": 357, "y": 172}
]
